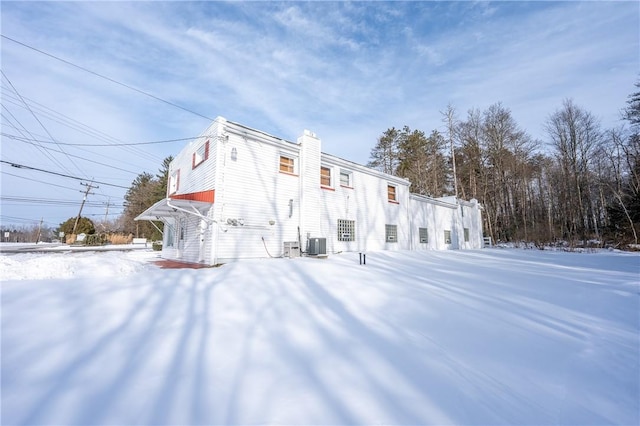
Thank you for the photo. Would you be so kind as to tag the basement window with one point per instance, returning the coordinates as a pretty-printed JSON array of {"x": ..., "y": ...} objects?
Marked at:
[
  {"x": 391, "y": 233},
  {"x": 423, "y": 234},
  {"x": 346, "y": 230},
  {"x": 200, "y": 156}
]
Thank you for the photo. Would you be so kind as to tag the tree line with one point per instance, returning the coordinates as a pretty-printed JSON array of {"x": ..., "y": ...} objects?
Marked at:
[{"x": 581, "y": 184}]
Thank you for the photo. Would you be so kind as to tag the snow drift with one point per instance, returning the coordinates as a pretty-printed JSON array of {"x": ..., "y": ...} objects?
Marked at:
[{"x": 460, "y": 337}]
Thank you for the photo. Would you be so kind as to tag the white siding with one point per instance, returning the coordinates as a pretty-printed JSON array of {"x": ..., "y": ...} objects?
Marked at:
[
  {"x": 365, "y": 202},
  {"x": 257, "y": 208},
  {"x": 202, "y": 177},
  {"x": 311, "y": 202},
  {"x": 256, "y": 205}
]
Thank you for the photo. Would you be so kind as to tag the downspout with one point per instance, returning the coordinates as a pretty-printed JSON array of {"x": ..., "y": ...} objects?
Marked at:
[{"x": 223, "y": 137}]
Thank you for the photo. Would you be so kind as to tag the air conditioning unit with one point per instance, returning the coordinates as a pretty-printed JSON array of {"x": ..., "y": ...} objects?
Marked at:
[
  {"x": 391, "y": 238},
  {"x": 317, "y": 247},
  {"x": 346, "y": 237},
  {"x": 424, "y": 240}
]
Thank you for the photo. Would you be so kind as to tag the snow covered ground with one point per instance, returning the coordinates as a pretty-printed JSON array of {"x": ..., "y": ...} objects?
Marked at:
[{"x": 497, "y": 336}]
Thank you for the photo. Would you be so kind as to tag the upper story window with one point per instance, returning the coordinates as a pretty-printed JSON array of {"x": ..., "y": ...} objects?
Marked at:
[
  {"x": 325, "y": 176},
  {"x": 174, "y": 182},
  {"x": 287, "y": 164},
  {"x": 200, "y": 156},
  {"x": 346, "y": 178},
  {"x": 391, "y": 194}
]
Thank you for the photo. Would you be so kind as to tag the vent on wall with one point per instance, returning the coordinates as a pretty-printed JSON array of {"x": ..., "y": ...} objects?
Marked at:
[{"x": 317, "y": 246}]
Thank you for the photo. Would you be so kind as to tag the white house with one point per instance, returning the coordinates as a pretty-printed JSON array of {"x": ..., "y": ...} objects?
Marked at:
[{"x": 237, "y": 192}]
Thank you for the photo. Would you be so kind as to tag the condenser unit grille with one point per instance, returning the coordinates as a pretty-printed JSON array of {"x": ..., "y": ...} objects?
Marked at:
[{"x": 317, "y": 246}]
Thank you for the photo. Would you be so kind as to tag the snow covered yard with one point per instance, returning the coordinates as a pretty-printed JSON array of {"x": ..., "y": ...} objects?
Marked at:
[{"x": 458, "y": 337}]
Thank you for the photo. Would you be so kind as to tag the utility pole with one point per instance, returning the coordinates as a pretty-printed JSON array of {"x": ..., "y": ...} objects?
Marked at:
[
  {"x": 84, "y": 199},
  {"x": 39, "y": 230}
]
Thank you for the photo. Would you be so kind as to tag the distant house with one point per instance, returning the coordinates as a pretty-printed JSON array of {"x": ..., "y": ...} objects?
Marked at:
[{"x": 237, "y": 192}]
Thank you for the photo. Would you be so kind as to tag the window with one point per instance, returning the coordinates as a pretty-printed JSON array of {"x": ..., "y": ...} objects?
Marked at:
[
  {"x": 346, "y": 230},
  {"x": 447, "y": 237},
  {"x": 287, "y": 164},
  {"x": 174, "y": 182},
  {"x": 325, "y": 176},
  {"x": 345, "y": 178},
  {"x": 200, "y": 156},
  {"x": 423, "y": 233},
  {"x": 466, "y": 235},
  {"x": 391, "y": 193},
  {"x": 182, "y": 228},
  {"x": 462, "y": 210},
  {"x": 169, "y": 232},
  {"x": 391, "y": 233}
]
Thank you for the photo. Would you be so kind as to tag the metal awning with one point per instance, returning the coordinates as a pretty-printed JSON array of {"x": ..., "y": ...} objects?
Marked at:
[{"x": 169, "y": 208}]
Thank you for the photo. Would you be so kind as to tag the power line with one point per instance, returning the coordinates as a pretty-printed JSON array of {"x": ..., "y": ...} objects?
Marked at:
[
  {"x": 48, "y": 201},
  {"x": 37, "y": 119},
  {"x": 41, "y": 149},
  {"x": 36, "y": 180},
  {"x": 22, "y": 166},
  {"x": 105, "y": 77},
  {"x": 23, "y": 139},
  {"x": 74, "y": 124},
  {"x": 77, "y": 156}
]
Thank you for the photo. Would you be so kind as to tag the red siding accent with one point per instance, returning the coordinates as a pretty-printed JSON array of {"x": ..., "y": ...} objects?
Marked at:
[{"x": 206, "y": 196}]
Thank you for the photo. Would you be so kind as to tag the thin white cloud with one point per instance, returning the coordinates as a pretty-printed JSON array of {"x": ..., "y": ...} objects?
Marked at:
[{"x": 345, "y": 70}]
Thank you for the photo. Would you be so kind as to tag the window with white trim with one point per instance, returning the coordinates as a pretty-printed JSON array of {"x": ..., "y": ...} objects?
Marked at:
[
  {"x": 346, "y": 230},
  {"x": 170, "y": 232},
  {"x": 287, "y": 164},
  {"x": 174, "y": 182},
  {"x": 466, "y": 235},
  {"x": 201, "y": 155},
  {"x": 447, "y": 236},
  {"x": 391, "y": 233},
  {"x": 346, "y": 178},
  {"x": 391, "y": 193},
  {"x": 182, "y": 228},
  {"x": 325, "y": 176},
  {"x": 423, "y": 234}
]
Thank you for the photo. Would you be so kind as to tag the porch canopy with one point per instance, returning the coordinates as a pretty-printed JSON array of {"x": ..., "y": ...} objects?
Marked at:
[{"x": 173, "y": 208}]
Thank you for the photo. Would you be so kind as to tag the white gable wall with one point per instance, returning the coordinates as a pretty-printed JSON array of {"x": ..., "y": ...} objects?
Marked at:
[{"x": 256, "y": 205}]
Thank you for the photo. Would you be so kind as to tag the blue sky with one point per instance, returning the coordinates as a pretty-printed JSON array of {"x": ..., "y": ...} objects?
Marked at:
[{"x": 345, "y": 70}]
